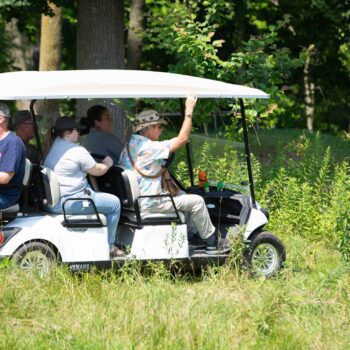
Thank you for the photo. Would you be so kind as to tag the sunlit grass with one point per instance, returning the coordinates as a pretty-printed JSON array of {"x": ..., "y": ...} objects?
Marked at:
[{"x": 307, "y": 306}]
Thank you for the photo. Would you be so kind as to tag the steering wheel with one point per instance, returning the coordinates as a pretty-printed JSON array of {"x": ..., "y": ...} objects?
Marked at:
[{"x": 170, "y": 159}]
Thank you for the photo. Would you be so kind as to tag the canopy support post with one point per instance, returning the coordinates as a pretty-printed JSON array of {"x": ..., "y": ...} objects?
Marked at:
[
  {"x": 247, "y": 153},
  {"x": 188, "y": 149},
  {"x": 36, "y": 131}
]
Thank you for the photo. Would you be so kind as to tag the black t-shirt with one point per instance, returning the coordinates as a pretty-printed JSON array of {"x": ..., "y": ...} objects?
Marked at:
[{"x": 12, "y": 159}]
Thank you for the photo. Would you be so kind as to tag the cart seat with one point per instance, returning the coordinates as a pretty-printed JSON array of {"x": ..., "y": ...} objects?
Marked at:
[
  {"x": 52, "y": 197},
  {"x": 130, "y": 191},
  {"x": 13, "y": 209}
]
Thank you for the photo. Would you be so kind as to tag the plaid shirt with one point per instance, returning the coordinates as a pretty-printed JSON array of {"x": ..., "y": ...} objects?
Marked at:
[{"x": 148, "y": 156}]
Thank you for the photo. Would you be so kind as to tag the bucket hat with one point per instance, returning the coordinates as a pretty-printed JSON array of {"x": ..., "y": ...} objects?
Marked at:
[{"x": 146, "y": 118}]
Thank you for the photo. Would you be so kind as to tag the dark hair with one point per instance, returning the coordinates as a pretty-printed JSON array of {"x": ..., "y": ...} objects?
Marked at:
[
  {"x": 93, "y": 113},
  {"x": 50, "y": 137}
]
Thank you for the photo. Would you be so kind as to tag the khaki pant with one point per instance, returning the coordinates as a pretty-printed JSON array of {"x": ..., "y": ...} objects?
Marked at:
[{"x": 194, "y": 208}]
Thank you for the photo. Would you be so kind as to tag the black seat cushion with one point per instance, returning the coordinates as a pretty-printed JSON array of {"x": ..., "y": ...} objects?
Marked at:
[{"x": 112, "y": 182}]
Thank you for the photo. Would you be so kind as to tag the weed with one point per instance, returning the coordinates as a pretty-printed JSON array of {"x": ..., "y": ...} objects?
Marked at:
[{"x": 307, "y": 192}]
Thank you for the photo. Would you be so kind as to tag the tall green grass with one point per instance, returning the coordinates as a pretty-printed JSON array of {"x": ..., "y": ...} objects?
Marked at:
[
  {"x": 307, "y": 192},
  {"x": 305, "y": 307}
]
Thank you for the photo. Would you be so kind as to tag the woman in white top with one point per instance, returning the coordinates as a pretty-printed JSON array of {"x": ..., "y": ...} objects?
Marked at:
[{"x": 71, "y": 163}]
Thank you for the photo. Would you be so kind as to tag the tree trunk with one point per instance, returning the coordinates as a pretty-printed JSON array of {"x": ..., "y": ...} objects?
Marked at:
[
  {"x": 18, "y": 54},
  {"x": 205, "y": 126},
  {"x": 50, "y": 59},
  {"x": 136, "y": 27},
  {"x": 240, "y": 8},
  {"x": 215, "y": 117},
  {"x": 309, "y": 87},
  {"x": 100, "y": 45}
]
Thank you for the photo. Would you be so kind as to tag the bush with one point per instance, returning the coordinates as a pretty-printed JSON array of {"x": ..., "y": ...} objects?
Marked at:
[{"x": 308, "y": 197}]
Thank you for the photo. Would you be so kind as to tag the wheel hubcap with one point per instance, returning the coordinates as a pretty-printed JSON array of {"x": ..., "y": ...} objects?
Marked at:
[
  {"x": 264, "y": 259},
  {"x": 37, "y": 261}
]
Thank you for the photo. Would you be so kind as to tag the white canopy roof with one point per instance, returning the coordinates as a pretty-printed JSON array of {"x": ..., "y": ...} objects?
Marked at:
[{"x": 28, "y": 85}]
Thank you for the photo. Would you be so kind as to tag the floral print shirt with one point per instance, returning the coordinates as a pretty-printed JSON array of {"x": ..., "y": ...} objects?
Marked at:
[{"x": 148, "y": 157}]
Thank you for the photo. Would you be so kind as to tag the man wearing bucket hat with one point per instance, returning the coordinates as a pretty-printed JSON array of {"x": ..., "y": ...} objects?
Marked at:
[
  {"x": 12, "y": 161},
  {"x": 22, "y": 123},
  {"x": 145, "y": 155}
]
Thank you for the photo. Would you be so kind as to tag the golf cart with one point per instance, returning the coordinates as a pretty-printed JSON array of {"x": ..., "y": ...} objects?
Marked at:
[{"x": 35, "y": 238}]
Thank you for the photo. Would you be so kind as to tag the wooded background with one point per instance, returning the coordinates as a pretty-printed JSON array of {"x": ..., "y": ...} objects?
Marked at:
[{"x": 298, "y": 51}]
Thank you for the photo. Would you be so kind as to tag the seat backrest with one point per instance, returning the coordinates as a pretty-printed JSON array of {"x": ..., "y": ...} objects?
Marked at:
[
  {"x": 51, "y": 187},
  {"x": 27, "y": 173},
  {"x": 120, "y": 182},
  {"x": 132, "y": 188}
]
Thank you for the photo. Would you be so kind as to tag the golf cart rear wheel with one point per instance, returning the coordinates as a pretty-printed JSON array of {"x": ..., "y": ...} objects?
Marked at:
[
  {"x": 35, "y": 256},
  {"x": 266, "y": 254}
]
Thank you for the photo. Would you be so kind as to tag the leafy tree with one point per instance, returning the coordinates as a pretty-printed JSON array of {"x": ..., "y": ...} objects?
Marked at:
[
  {"x": 325, "y": 26},
  {"x": 191, "y": 40}
]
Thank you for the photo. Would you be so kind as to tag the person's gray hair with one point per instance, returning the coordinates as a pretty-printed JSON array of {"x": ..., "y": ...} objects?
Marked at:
[
  {"x": 4, "y": 110},
  {"x": 143, "y": 131}
]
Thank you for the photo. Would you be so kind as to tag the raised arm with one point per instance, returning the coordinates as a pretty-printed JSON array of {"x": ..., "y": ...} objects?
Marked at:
[{"x": 184, "y": 134}]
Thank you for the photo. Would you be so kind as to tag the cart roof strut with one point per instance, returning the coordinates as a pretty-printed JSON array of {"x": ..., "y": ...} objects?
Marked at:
[{"x": 40, "y": 85}]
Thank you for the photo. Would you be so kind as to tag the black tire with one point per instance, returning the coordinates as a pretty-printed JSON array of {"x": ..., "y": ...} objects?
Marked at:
[
  {"x": 35, "y": 256},
  {"x": 265, "y": 255}
]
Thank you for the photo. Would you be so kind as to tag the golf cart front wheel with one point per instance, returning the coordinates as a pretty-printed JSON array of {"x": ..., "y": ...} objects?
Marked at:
[
  {"x": 266, "y": 254},
  {"x": 35, "y": 257}
]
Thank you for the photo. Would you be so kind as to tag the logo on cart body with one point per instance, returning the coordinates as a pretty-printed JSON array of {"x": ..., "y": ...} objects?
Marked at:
[
  {"x": 80, "y": 267},
  {"x": 210, "y": 206}
]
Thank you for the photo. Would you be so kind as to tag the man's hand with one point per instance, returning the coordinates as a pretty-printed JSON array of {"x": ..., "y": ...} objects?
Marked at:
[{"x": 191, "y": 101}]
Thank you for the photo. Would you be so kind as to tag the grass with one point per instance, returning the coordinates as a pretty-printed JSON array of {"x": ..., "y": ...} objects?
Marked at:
[
  {"x": 275, "y": 147},
  {"x": 271, "y": 141},
  {"x": 305, "y": 307}
]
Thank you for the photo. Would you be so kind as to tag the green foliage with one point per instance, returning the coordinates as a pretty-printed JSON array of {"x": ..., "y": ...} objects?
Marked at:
[
  {"x": 328, "y": 69},
  {"x": 261, "y": 62},
  {"x": 156, "y": 308},
  {"x": 260, "y": 44},
  {"x": 340, "y": 201},
  {"x": 24, "y": 9},
  {"x": 308, "y": 196},
  {"x": 311, "y": 197},
  {"x": 19, "y": 8},
  {"x": 117, "y": 310}
]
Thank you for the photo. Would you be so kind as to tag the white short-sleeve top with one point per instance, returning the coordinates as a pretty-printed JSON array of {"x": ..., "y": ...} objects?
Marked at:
[{"x": 70, "y": 162}]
